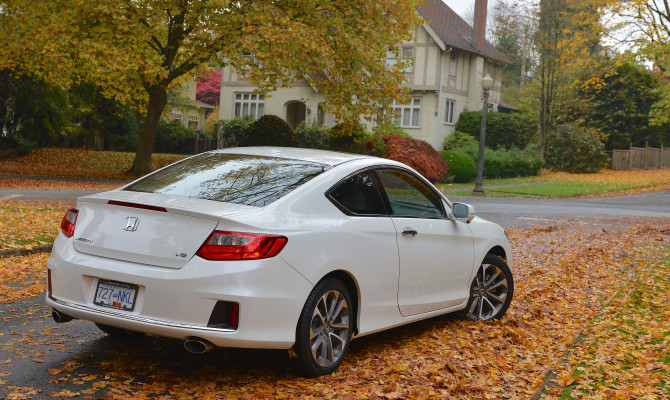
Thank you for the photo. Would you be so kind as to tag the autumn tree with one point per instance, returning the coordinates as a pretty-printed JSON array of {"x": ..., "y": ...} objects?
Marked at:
[
  {"x": 137, "y": 50},
  {"x": 648, "y": 29},
  {"x": 568, "y": 35},
  {"x": 513, "y": 28},
  {"x": 209, "y": 87}
]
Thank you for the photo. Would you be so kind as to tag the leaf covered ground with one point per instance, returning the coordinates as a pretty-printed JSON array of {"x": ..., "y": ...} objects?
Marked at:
[
  {"x": 79, "y": 163},
  {"x": 571, "y": 277}
]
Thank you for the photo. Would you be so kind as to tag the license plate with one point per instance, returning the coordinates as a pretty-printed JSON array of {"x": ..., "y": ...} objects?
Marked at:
[{"x": 118, "y": 295}]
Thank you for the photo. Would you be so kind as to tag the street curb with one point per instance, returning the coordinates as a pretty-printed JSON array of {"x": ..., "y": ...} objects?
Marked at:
[{"x": 24, "y": 252}]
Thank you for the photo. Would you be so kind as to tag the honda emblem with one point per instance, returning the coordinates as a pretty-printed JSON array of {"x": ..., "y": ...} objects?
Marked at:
[{"x": 131, "y": 224}]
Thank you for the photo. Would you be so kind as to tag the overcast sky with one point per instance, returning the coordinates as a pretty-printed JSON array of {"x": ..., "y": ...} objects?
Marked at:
[{"x": 460, "y": 6}]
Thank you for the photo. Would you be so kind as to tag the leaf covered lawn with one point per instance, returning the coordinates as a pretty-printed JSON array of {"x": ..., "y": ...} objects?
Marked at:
[
  {"x": 567, "y": 277},
  {"x": 79, "y": 163}
]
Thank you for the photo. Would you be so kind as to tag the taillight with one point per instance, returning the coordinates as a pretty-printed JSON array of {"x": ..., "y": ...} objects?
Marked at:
[
  {"x": 241, "y": 246},
  {"x": 68, "y": 222}
]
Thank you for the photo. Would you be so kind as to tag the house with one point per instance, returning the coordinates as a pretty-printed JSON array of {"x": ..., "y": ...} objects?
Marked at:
[
  {"x": 183, "y": 107},
  {"x": 450, "y": 59}
]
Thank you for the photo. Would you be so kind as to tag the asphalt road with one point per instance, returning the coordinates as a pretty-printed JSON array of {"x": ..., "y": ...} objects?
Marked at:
[{"x": 521, "y": 212}]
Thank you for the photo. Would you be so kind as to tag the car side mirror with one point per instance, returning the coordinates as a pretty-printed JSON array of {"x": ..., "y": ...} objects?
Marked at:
[{"x": 464, "y": 212}]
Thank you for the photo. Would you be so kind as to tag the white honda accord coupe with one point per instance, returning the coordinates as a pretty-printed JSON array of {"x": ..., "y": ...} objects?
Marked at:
[{"x": 276, "y": 248}]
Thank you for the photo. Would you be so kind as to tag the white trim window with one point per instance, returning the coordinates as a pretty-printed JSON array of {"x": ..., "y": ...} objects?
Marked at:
[
  {"x": 249, "y": 104},
  {"x": 408, "y": 115},
  {"x": 453, "y": 62},
  {"x": 193, "y": 121},
  {"x": 394, "y": 54},
  {"x": 177, "y": 116},
  {"x": 449, "y": 111}
]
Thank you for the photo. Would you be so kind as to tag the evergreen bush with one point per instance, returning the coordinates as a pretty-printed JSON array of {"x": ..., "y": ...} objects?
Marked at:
[
  {"x": 173, "y": 137},
  {"x": 348, "y": 136},
  {"x": 457, "y": 140},
  {"x": 505, "y": 163},
  {"x": 460, "y": 166},
  {"x": 312, "y": 135},
  {"x": 230, "y": 131},
  {"x": 269, "y": 130},
  {"x": 576, "y": 149},
  {"x": 503, "y": 130}
]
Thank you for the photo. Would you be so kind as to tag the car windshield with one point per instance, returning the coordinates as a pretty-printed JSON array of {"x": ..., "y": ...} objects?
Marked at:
[{"x": 232, "y": 178}]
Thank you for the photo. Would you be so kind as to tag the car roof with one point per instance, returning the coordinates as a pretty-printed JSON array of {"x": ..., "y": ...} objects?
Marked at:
[{"x": 332, "y": 158}]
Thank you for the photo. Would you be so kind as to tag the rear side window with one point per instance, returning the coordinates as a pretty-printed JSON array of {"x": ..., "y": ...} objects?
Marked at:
[
  {"x": 232, "y": 178},
  {"x": 358, "y": 195}
]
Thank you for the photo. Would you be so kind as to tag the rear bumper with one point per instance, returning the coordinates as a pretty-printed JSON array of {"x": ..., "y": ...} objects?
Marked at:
[{"x": 178, "y": 303}]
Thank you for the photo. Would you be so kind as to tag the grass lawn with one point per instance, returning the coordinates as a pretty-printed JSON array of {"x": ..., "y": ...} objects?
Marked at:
[{"x": 560, "y": 184}]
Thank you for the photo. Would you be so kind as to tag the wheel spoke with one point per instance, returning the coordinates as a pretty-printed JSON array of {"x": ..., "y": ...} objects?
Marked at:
[
  {"x": 500, "y": 299},
  {"x": 493, "y": 308},
  {"x": 503, "y": 282},
  {"x": 338, "y": 309},
  {"x": 481, "y": 308},
  {"x": 330, "y": 357},
  {"x": 492, "y": 278}
]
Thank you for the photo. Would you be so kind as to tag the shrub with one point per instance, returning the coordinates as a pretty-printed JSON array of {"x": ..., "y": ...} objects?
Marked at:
[
  {"x": 458, "y": 139},
  {"x": 230, "y": 131},
  {"x": 459, "y": 165},
  {"x": 417, "y": 154},
  {"x": 23, "y": 145},
  {"x": 503, "y": 130},
  {"x": 505, "y": 163},
  {"x": 312, "y": 135},
  {"x": 269, "y": 130},
  {"x": 348, "y": 136},
  {"x": 375, "y": 145},
  {"x": 173, "y": 137},
  {"x": 575, "y": 149}
]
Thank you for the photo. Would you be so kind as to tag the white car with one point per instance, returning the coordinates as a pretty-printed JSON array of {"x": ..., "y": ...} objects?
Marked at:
[{"x": 276, "y": 248}]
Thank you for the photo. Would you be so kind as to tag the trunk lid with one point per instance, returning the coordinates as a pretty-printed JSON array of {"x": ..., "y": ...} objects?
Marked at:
[{"x": 144, "y": 228}]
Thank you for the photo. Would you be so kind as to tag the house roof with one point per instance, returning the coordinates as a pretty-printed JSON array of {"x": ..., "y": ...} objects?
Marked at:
[{"x": 453, "y": 30}]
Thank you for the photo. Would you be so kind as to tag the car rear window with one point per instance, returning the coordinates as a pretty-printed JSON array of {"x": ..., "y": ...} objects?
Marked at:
[{"x": 232, "y": 178}]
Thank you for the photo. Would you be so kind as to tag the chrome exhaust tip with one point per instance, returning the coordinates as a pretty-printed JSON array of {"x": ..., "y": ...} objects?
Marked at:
[
  {"x": 60, "y": 317},
  {"x": 198, "y": 345}
]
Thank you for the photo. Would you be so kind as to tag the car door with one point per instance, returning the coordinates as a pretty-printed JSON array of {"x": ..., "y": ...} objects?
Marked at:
[{"x": 436, "y": 253}]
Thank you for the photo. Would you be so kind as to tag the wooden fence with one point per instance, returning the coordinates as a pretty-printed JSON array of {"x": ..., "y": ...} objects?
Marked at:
[{"x": 641, "y": 158}]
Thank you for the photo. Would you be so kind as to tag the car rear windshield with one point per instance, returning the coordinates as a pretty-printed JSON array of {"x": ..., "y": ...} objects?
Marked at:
[{"x": 232, "y": 178}]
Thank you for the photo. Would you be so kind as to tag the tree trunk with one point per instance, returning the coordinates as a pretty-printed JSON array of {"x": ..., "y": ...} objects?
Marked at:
[{"x": 157, "y": 102}]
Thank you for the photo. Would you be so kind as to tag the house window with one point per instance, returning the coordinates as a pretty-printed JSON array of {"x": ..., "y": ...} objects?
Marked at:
[
  {"x": 249, "y": 104},
  {"x": 176, "y": 116},
  {"x": 393, "y": 55},
  {"x": 193, "y": 121},
  {"x": 453, "y": 62},
  {"x": 320, "y": 114},
  {"x": 408, "y": 115},
  {"x": 449, "y": 112}
]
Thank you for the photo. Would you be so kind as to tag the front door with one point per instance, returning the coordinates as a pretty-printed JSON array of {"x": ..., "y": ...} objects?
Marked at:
[
  {"x": 436, "y": 254},
  {"x": 295, "y": 113}
]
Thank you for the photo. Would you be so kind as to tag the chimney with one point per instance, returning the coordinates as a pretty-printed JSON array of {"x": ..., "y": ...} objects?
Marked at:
[{"x": 479, "y": 25}]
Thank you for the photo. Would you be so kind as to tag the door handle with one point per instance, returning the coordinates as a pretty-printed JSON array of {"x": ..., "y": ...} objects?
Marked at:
[{"x": 409, "y": 231}]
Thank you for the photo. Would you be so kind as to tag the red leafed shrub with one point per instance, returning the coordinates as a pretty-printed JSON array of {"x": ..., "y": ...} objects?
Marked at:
[{"x": 417, "y": 154}]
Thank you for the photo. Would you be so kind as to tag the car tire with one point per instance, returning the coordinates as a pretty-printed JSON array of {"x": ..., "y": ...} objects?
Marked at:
[
  {"x": 491, "y": 290},
  {"x": 118, "y": 332},
  {"x": 324, "y": 329}
]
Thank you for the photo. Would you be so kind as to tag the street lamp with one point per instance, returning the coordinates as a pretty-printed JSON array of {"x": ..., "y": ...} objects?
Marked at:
[{"x": 487, "y": 84}]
